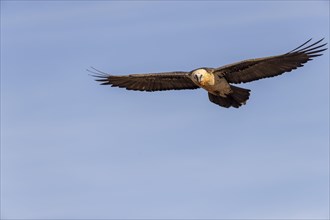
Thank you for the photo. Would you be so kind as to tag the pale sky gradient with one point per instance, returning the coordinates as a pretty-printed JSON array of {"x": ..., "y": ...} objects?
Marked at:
[{"x": 71, "y": 149}]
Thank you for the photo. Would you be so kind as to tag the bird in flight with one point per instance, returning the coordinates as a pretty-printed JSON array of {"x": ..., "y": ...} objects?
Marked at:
[{"x": 218, "y": 81}]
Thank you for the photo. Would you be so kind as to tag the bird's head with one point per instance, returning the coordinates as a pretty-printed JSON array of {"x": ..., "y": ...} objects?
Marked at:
[{"x": 197, "y": 75}]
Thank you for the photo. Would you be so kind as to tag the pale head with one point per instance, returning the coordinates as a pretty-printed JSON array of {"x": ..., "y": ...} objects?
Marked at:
[{"x": 198, "y": 75}]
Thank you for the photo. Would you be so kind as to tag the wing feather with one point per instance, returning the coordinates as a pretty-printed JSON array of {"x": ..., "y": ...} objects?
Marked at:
[
  {"x": 255, "y": 69},
  {"x": 148, "y": 82}
]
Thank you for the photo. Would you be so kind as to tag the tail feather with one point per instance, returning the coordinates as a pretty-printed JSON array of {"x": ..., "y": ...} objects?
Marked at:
[
  {"x": 239, "y": 94},
  {"x": 237, "y": 98}
]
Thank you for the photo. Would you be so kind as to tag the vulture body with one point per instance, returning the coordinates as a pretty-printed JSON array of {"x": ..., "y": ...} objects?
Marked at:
[{"x": 218, "y": 81}]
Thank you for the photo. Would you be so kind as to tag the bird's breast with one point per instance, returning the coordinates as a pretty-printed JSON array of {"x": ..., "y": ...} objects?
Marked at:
[
  {"x": 207, "y": 80},
  {"x": 215, "y": 85}
]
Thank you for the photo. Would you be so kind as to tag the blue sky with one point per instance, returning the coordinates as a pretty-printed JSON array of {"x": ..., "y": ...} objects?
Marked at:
[{"x": 73, "y": 149}]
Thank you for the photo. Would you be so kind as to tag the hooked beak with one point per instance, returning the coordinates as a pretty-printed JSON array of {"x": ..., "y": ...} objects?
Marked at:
[{"x": 198, "y": 78}]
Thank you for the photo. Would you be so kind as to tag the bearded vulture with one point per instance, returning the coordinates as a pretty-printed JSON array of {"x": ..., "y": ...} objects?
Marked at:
[{"x": 217, "y": 81}]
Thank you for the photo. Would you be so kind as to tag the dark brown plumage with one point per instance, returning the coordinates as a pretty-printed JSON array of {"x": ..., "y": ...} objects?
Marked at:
[
  {"x": 150, "y": 82},
  {"x": 255, "y": 69},
  {"x": 216, "y": 80}
]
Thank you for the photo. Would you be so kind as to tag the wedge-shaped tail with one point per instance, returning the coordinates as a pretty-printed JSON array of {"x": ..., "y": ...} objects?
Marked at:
[{"x": 237, "y": 98}]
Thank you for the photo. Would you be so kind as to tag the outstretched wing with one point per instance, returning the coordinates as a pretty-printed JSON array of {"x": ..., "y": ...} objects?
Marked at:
[
  {"x": 149, "y": 82},
  {"x": 254, "y": 69}
]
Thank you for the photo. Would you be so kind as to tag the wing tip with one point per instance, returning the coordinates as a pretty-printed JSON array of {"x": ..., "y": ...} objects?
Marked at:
[
  {"x": 99, "y": 75},
  {"x": 311, "y": 49}
]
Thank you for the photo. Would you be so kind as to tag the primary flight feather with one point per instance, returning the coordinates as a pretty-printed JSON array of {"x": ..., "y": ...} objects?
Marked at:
[{"x": 217, "y": 80}]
